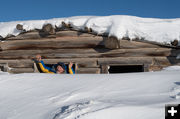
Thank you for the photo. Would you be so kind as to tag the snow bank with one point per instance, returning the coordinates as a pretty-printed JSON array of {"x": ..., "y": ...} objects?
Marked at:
[
  {"x": 151, "y": 29},
  {"x": 46, "y": 96}
]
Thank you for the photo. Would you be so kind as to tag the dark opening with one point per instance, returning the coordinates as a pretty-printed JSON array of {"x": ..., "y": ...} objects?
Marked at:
[
  {"x": 126, "y": 69},
  {"x": 1, "y": 68}
]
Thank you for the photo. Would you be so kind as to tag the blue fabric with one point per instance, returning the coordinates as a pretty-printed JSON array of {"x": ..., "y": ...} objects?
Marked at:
[
  {"x": 73, "y": 70},
  {"x": 48, "y": 68}
]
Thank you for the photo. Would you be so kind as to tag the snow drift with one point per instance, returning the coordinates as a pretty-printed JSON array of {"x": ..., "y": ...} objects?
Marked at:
[
  {"x": 47, "y": 96},
  {"x": 151, "y": 29}
]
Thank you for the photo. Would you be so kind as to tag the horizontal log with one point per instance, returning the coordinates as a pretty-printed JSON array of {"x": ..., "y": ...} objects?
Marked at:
[
  {"x": 20, "y": 65},
  {"x": 126, "y": 44},
  {"x": 30, "y": 36},
  {"x": 139, "y": 60},
  {"x": 38, "y": 35},
  {"x": 56, "y": 43},
  {"x": 86, "y": 64},
  {"x": 73, "y": 60},
  {"x": 74, "y": 34},
  {"x": 88, "y": 53},
  {"x": 88, "y": 71},
  {"x": 122, "y": 60},
  {"x": 20, "y": 70},
  {"x": 16, "y": 61}
]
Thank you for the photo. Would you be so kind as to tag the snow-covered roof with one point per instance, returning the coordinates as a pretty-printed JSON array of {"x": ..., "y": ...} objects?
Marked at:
[{"x": 151, "y": 29}]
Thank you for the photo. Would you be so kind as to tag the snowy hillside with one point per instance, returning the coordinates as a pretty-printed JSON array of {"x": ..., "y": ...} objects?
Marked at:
[
  {"x": 118, "y": 96},
  {"x": 159, "y": 30}
]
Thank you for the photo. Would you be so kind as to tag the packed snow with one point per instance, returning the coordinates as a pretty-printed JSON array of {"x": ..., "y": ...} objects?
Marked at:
[
  {"x": 105, "y": 96},
  {"x": 151, "y": 29}
]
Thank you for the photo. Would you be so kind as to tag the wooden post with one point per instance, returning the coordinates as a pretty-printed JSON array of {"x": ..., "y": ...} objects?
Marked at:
[{"x": 104, "y": 69}]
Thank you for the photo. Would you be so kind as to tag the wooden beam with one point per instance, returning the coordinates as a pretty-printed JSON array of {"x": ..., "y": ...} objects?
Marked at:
[
  {"x": 127, "y": 44},
  {"x": 56, "y": 43},
  {"x": 104, "y": 69},
  {"x": 89, "y": 53},
  {"x": 37, "y": 35},
  {"x": 88, "y": 71},
  {"x": 20, "y": 65},
  {"x": 20, "y": 70},
  {"x": 85, "y": 64}
]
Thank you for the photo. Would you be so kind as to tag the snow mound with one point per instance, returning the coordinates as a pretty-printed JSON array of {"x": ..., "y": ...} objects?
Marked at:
[
  {"x": 47, "y": 96},
  {"x": 120, "y": 26},
  {"x": 172, "y": 68}
]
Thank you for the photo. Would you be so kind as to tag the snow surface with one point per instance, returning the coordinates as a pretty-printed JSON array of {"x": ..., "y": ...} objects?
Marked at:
[
  {"x": 110, "y": 96},
  {"x": 151, "y": 29}
]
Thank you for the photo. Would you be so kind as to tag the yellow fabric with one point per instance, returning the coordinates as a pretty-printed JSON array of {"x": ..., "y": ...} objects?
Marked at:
[
  {"x": 70, "y": 71},
  {"x": 44, "y": 70}
]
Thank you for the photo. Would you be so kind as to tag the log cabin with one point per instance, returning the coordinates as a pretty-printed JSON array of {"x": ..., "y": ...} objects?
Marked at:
[{"x": 91, "y": 53}]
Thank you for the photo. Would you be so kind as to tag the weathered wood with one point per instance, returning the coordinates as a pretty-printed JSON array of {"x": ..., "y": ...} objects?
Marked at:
[
  {"x": 67, "y": 60},
  {"x": 111, "y": 43},
  {"x": 19, "y": 27},
  {"x": 139, "y": 60},
  {"x": 38, "y": 35},
  {"x": 20, "y": 65},
  {"x": 88, "y": 71},
  {"x": 56, "y": 43},
  {"x": 48, "y": 29},
  {"x": 157, "y": 67},
  {"x": 20, "y": 70},
  {"x": 31, "y": 35},
  {"x": 91, "y": 53},
  {"x": 16, "y": 61},
  {"x": 126, "y": 44},
  {"x": 104, "y": 69},
  {"x": 87, "y": 64},
  {"x": 174, "y": 43},
  {"x": 74, "y": 34}
]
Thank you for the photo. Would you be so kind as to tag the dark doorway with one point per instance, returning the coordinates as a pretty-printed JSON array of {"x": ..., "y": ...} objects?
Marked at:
[{"x": 126, "y": 69}]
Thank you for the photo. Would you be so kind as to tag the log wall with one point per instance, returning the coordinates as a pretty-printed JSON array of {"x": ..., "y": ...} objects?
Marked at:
[{"x": 90, "y": 53}]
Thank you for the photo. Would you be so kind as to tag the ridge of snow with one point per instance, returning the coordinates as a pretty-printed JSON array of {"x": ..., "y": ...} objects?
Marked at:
[
  {"x": 48, "y": 96},
  {"x": 151, "y": 29}
]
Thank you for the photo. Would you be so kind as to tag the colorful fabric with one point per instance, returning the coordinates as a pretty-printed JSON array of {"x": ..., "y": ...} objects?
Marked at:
[{"x": 46, "y": 69}]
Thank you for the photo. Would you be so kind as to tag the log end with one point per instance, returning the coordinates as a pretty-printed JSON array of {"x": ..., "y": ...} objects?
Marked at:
[
  {"x": 48, "y": 29},
  {"x": 111, "y": 42},
  {"x": 174, "y": 43},
  {"x": 19, "y": 27}
]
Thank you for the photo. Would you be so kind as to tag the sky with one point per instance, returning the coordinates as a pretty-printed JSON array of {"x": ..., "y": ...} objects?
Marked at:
[{"x": 14, "y": 10}]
